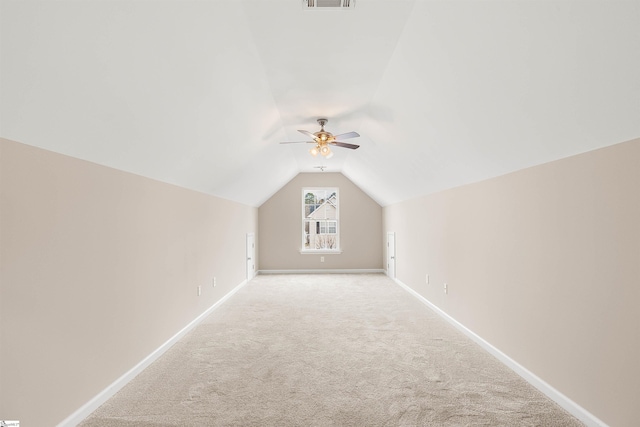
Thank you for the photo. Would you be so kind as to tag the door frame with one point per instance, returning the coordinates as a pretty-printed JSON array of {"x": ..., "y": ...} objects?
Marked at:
[
  {"x": 251, "y": 256},
  {"x": 391, "y": 254}
]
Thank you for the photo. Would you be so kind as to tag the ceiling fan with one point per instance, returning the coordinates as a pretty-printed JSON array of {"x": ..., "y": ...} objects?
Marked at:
[{"x": 324, "y": 139}]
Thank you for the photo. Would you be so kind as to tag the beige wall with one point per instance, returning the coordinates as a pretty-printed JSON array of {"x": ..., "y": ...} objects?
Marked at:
[
  {"x": 98, "y": 269},
  {"x": 281, "y": 227},
  {"x": 544, "y": 264}
]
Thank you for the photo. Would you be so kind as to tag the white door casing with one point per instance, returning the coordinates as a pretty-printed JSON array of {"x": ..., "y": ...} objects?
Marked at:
[
  {"x": 391, "y": 255},
  {"x": 251, "y": 256}
]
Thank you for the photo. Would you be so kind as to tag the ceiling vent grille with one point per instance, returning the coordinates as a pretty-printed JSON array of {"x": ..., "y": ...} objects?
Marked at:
[{"x": 328, "y": 4}]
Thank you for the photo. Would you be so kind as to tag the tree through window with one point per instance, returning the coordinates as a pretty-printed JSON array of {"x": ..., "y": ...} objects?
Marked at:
[{"x": 320, "y": 219}]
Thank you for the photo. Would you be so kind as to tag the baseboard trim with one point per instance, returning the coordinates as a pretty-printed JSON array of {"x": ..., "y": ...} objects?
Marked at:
[
  {"x": 325, "y": 271},
  {"x": 569, "y": 405},
  {"x": 85, "y": 410}
]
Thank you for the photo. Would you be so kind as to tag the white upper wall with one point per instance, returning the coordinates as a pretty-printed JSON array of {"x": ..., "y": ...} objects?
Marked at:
[
  {"x": 481, "y": 88},
  {"x": 199, "y": 94}
]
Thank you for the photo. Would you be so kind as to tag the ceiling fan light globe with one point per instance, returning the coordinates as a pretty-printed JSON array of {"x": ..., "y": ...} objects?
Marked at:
[
  {"x": 324, "y": 150},
  {"x": 330, "y": 155},
  {"x": 314, "y": 151}
]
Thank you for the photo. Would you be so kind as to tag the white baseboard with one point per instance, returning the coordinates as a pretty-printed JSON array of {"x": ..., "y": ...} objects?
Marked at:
[
  {"x": 85, "y": 410},
  {"x": 325, "y": 271},
  {"x": 569, "y": 405}
]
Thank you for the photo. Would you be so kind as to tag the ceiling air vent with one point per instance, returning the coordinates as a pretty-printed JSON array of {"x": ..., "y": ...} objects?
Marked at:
[{"x": 328, "y": 4}]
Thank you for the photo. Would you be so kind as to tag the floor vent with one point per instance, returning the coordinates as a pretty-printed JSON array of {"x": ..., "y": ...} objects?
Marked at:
[{"x": 328, "y": 4}]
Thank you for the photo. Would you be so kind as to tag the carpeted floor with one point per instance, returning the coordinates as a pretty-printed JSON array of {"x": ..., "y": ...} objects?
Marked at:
[{"x": 327, "y": 350}]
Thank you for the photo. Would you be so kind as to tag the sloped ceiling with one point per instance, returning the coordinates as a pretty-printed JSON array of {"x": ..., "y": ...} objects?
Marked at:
[{"x": 200, "y": 93}]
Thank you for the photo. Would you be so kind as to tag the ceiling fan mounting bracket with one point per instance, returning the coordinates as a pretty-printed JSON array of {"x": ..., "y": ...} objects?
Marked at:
[{"x": 322, "y": 122}]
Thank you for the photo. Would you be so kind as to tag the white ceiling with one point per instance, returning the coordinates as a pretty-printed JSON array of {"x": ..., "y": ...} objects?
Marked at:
[{"x": 199, "y": 93}]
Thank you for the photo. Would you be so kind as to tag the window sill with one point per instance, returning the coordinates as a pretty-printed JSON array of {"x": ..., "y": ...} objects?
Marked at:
[{"x": 320, "y": 251}]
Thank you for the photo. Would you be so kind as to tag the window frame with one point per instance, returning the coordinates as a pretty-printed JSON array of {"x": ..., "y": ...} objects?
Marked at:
[{"x": 304, "y": 221}]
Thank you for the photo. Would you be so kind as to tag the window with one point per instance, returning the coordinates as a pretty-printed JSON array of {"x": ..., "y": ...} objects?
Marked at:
[
  {"x": 327, "y": 227},
  {"x": 320, "y": 219}
]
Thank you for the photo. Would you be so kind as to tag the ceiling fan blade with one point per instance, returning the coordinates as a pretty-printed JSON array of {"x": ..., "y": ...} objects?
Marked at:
[
  {"x": 298, "y": 142},
  {"x": 345, "y": 145},
  {"x": 309, "y": 134},
  {"x": 347, "y": 135}
]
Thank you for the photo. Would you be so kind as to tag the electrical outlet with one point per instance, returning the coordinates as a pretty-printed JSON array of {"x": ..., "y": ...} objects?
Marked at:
[
  {"x": 199, "y": 290},
  {"x": 214, "y": 282},
  {"x": 321, "y": 259},
  {"x": 446, "y": 289}
]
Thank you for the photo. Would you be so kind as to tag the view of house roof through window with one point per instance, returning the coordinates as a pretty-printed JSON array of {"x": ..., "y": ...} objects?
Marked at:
[{"x": 320, "y": 219}]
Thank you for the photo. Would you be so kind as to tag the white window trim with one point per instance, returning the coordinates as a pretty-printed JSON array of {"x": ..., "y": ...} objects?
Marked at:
[
  {"x": 338, "y": 249},
  {"x": 321, "y": 251}
]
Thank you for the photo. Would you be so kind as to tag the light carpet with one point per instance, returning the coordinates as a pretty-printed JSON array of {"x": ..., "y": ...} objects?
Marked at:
[{"x": 327, "y": 350}]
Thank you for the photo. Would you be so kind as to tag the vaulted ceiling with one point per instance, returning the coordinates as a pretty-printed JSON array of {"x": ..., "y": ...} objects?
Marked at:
[{"x": 200, "y": 93}]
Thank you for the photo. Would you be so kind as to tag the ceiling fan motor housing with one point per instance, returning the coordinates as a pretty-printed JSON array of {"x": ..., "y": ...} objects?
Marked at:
[{"x": 322, "y": 135}]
